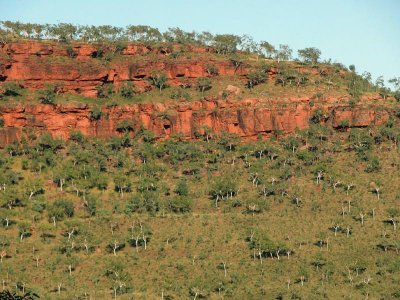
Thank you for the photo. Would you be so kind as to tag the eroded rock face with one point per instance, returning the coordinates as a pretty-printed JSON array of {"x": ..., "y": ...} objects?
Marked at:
[
  {"x": 35, "y": 64},
  {"x": 247, "y": 118}
]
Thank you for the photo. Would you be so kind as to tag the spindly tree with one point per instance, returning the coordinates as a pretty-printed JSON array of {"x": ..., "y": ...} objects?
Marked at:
[
  {"x": 267, "y": 49},
  {"x": 159, "y": 79},
  {"x": 142, "y": 33},
  {"x": 284, "y": 52},
  {"x": 204, "y": 84}
]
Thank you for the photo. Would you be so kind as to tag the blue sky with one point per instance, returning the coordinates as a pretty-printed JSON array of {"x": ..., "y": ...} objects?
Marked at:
[{"x": 365, "y": 33}]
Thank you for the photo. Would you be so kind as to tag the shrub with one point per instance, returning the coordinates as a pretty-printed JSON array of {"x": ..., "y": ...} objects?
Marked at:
[
  {"x": 47, "y": 96},
  {"x": 11, "y": 89},
  {"x": 148, "y": 136},
  {"x": 373, "y": 165},
  {"x": 397, "y": 95},
  {"x": 105, "y": 90},
  {"x": 127, "y": 90},
  {"x": 180, "y": 94},
  {"x": 60, "y": 209},
  {"x": 38, "y": 206},
  {"x": 95, "y": 114},
  {"x": 71, "y": 52},
  {"x": 1, "y": 122},
  {"x": 91, "y": 206},
  {"x": 255, "y": 78},
  {"x": 29, "y": 295},
  {"x": 180, "y": 204},
  {"x": 134, "y": 204},
  {"x": 77, "y": 136},
  {"x": 125, "y": 126},
  {"x": 212, "y": 70},
  {"x": 344, "y": 124},
  {"x": 182, "y": 188},
  {"x": 317, "y": 116}
]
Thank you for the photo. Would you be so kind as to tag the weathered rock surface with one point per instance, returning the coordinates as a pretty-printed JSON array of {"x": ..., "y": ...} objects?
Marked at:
[
  {"x": 247, "y": 118},
  {"x": 35, "y": 64}
]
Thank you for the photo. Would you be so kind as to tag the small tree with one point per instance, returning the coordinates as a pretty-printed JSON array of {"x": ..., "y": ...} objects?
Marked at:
[
  {"x": 91, "y": 205},
  {"x": 255, "y": 78},
  {"x": 284, "y": 52},
  {"x": 77, "y": 136},
  {"x": 226, "y": 43},
  {"x": 159, "y": 79},
  {"x": 211, "y": 69},
  {"x": 23, "y": 230},
  {"x": 204, "y": 84},
  {"x": 396, "y": 95},
  {"x": 309, "y": 55},
  {"x": 122, "y": 184},
  {"x": 60, "y": 209},
  {"x": 182, "y": 188},
  {"x": 223, "y": 188},
  {"x": 395, "y": 81},
  {"x": 267, "y": 49}
]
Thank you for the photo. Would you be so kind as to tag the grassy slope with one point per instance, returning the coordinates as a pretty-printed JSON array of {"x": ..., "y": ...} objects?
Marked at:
[{"x": 185, "y": 249}]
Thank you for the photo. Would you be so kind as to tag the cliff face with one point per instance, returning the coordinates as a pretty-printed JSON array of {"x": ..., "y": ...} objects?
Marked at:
[
  {"x": 36, "y": 64},
  {"x": 247, "y": 118}
]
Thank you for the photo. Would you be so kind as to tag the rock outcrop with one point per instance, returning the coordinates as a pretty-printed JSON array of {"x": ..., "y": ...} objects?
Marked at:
[
  {"x": 247, "y": 118},
  {"x": 76, "y": 69}
]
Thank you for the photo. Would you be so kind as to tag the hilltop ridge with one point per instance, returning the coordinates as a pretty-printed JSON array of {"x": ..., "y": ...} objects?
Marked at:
[{"x": 175, "y": 83}]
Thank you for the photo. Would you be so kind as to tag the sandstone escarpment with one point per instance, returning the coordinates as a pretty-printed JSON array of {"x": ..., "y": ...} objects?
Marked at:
[
  {"x": 76, "y": 69},
  {"x": 247, "y": 118}
]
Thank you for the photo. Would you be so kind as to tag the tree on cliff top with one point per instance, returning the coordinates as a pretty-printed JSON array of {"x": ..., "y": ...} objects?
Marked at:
[
  {"x": 267, "y": 49},
  {"x": 226, "y": 43},
  {"x": 309, "y": 55},
  {"x": 284, "y": 52},
  {"x": 177, "y": 35},
  {"x": 142, "y": 33}
]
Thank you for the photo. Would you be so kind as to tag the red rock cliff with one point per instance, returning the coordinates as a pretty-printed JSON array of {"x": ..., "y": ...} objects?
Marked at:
[
  {"x": 246, "y": 118},
  {"x": 36, "y": 64}
]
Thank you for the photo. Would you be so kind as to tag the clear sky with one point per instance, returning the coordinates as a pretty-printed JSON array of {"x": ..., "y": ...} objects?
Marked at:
[{"x": 365, "y": 33}]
